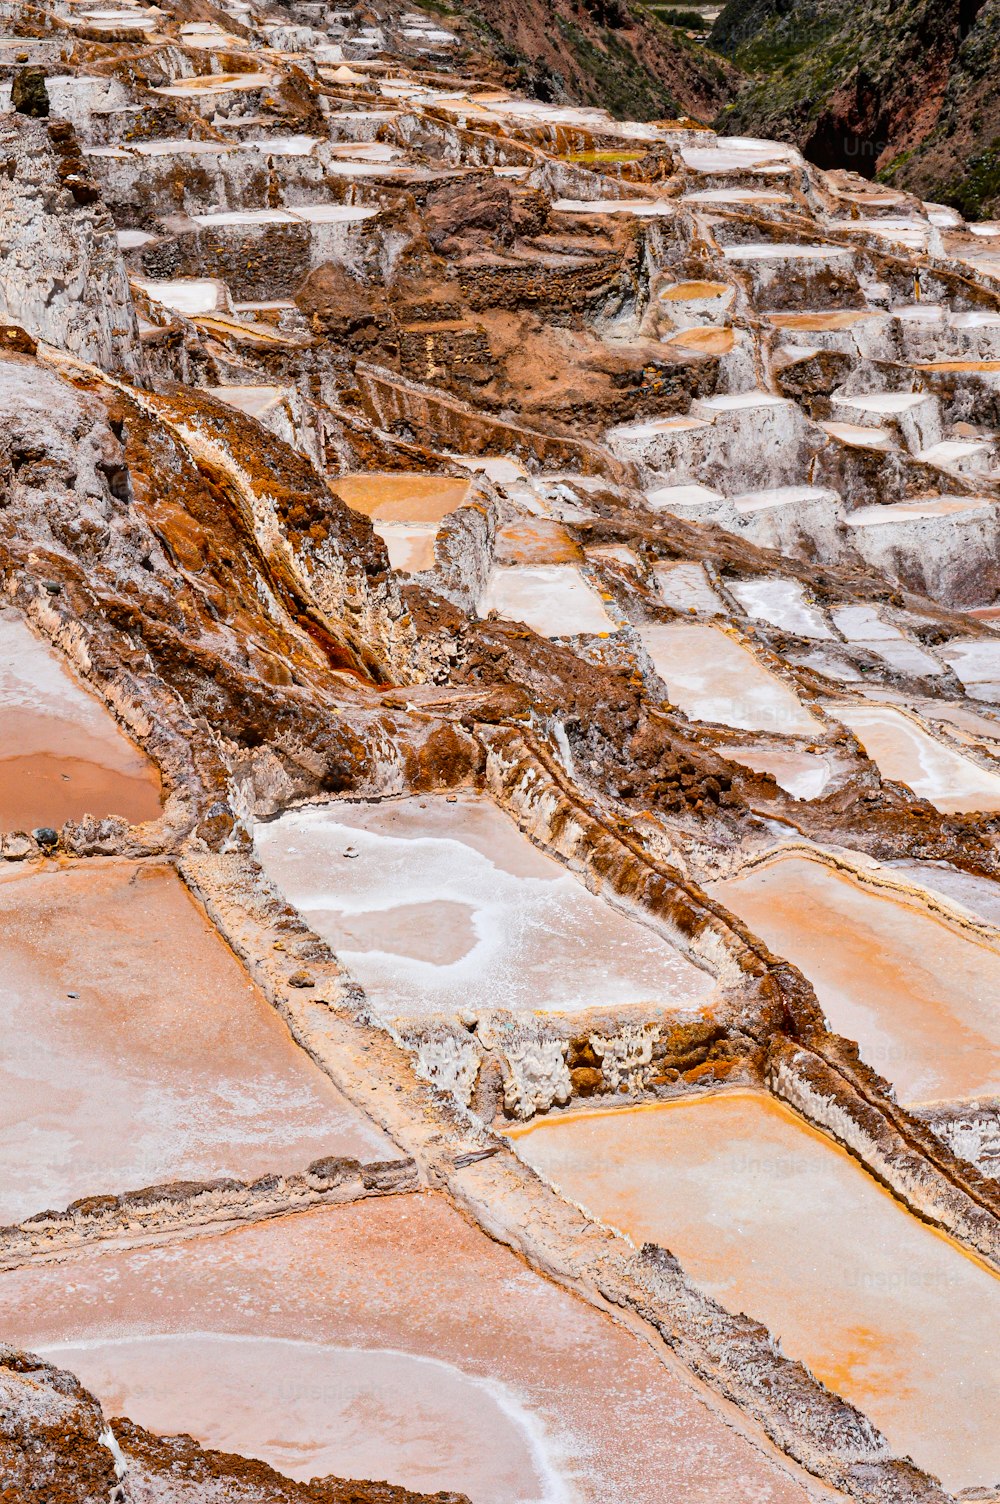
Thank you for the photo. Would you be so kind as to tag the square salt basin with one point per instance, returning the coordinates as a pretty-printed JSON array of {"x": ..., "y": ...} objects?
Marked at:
[
  {"x": 62, "y": 755},
  {"x": 387, "y": 1339},
  {"x": 137, "y": 1050},
  {"x": 443, "y": 908},
  {"x": 774, "y": 1219},
  {"x": 915, "y": 989}
]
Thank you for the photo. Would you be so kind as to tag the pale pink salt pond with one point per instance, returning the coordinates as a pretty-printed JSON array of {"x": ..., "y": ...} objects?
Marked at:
[
  {"x": 439, "y": 907},
  {"x": 712, "y": 677},
  {"x": 386, "y": 1339},
  {"x": 555, "y": 600},
  {"x": 773, "y": 1219},
  {"x": 902, "y": 750},
  {"x": 137, "y": 1051},
  {"x": 915, "y": 988},
  {"x": 62, "y": 755}
]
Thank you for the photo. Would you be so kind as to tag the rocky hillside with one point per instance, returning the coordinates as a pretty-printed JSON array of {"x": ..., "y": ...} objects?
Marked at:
[
  {"x": 601, "y": 52},
  {"x": 903, "y": 91}
]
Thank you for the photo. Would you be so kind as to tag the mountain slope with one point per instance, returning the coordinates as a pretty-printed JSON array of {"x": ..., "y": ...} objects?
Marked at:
[
  {"x": 601, "y": 52},
  {"x": 901, "y": 90}
]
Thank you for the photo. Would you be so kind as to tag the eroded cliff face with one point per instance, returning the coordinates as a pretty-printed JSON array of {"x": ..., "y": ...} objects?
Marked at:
[{"x": 497, "y": 634}]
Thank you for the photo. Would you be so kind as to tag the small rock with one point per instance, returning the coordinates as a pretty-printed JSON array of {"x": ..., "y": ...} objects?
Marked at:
[
  {"x": 47, "y": 838},
  {"x": 350, "y": 851},
  {"x": 301, "y": 979},
  {"x": 53, "y": 587},
  {"x": 28, "y": 93},
  {"x": 17, "y": 847}
]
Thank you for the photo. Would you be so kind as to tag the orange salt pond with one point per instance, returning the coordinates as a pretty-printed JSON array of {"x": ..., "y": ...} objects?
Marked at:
[
  {"x": 914, "y": 988},
  {"x": 439, "y": 907},
  {"x": 398, "y": 497},
  {"x": 773, "y": 1219},
  {"x": 62, "y": 755},
  {"x": 406, "y": 511},
  {"x": 386, "y": 1339},
  {"x": 137, "y": 1051}
]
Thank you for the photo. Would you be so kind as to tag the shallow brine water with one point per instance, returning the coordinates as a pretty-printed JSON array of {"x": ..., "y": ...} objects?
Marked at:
[
  {"x": 385, "y": 1339},
  {"x": 437, "y": 907},
  {"x": 714, "y": 678},
  {"x": 62, "y": 755},
  {"x": 915, "y": 990},
  {"x": 137, "y": 1050},
  {"x": 773, "y": 1219}
]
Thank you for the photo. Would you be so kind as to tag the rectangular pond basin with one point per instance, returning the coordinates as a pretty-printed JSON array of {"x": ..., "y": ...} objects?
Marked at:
[
  {"x": 804, "y": 775},
  {"x": 902, "y": 750},
  {"x": 782, "y": 604},
  {"x": 62, "y": 755},
  {"x": 553, "y": 599},
  {"x": 915, "y": 989},
  {"x": 712, "y": 677},
  {"x": 440, "y": 907},
  {"x": 406, "y": 510},
  {"x": 387, "y": 1339},
  {"x": 773, "y": 1219},
  {"x": 137, "y": 1050}
]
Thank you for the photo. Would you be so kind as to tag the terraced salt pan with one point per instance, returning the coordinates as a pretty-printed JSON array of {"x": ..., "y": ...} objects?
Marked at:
[
  {"x": 774, "y": 250},
  {"x": 189, "y": 295},
  {"x": 782, "y": 603},
  {"x": 903, "y": 750},
  {"x": 400, "y": 497},
  {"x": 714, "y": 678},
  {"x": 215, "y": 83},
  {"x": 648, "y": 207},
  {"x": 686, "y": 587},
  {"x": 980, "y": 896},
  {"x": 753, "y": 196},
  {"x": 804, "y": 775},
  {"x": 553, "y": 599},
  {"x": 976, "y": 663},
  {"x": 137, "y": 1051},
  {"x": 62, "y": 755},
  {"x": 405, "y": 510},
  {"x": 773, "y": 1219},
  {"x": 386, "y": 1339},
  {"x": 300, "y": 214},
  {"x": 439, "y": 907},
  {"x": 914, "y": 989}
]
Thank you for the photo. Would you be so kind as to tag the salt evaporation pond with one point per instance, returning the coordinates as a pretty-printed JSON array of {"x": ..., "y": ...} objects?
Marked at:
[
  {"x": 980, "y": 896},
  {"x": 440, "y": 907},
  {"x": 915, "y": 989},
  {"x": 386, "y": 1339},
  {"x": 137, "y": 1051},
  {"x": 62, "y": 755},
  {"x": 783, "y": 604},
  {"x": 714, "y": 678},
  {"x": 804, "y": 775},
  {"x": 903, "y": 750},
  {"x": 555, "y": 600},
  {"x": 406, "y": 510},
  {"x": 772, "y": 1218}
]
